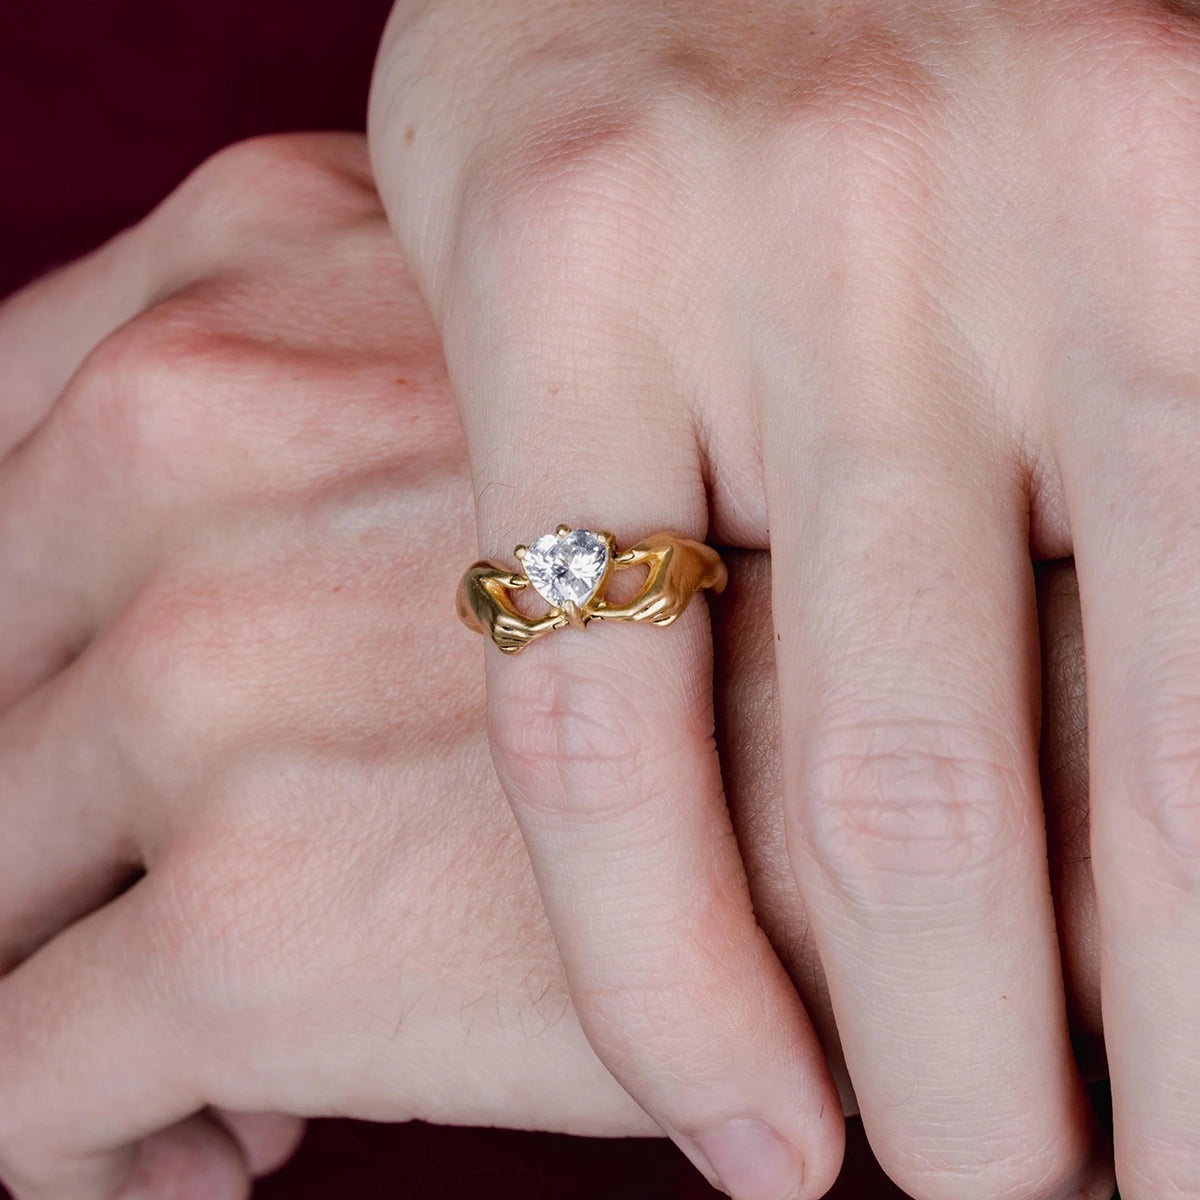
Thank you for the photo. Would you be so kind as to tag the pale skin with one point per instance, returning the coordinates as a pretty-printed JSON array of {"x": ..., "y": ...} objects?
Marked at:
[
  {"x": 229, "y": 659},
  {"x": 909, "y": 293}
]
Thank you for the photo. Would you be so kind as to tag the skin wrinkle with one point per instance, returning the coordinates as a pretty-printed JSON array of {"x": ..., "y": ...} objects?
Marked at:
[{"x": 1036, "y": 1129}]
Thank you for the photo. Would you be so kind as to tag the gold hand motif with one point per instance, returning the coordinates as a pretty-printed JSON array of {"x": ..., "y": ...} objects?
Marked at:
[
  {"x": 678, "y": 568},
  {"x": 483, "y": 605}
]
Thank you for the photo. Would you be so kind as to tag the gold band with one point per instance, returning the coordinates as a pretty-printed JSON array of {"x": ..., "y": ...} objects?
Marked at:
[{"x": 570, "y": 569}]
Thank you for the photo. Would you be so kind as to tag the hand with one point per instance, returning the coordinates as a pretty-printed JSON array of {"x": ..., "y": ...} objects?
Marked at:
[
  {"x": 232, "y": 666},
  {"x": 914, "y": 288},
  {"x": 483, "y": 604},
  {"x": 676, "y": 568},
  {"x": 252, "y": 860}
]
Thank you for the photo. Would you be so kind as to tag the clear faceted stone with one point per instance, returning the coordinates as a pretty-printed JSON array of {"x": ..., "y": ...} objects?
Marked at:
[{"x": 568, "y": 568}]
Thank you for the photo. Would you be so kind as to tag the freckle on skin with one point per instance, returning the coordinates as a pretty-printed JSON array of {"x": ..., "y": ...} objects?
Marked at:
[
  {"x": 554, "y": 389},
  {"x": 409, "y": 134}
]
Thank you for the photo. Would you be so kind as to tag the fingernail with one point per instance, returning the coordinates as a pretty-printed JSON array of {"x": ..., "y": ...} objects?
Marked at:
[{"x": 752, "y": 1161}]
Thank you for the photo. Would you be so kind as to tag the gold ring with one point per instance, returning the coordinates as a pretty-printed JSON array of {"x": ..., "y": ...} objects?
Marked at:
[{"x": 570, "y": 569}]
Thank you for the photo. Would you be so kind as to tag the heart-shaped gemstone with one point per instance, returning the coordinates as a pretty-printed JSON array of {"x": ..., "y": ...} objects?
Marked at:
[{"x": 567, "y": 568}]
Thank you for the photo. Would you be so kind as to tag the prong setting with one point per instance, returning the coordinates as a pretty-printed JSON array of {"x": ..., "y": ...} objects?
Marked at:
[
  {"x": 575, "y": 617},
  {"x": 568, "y": 567}
]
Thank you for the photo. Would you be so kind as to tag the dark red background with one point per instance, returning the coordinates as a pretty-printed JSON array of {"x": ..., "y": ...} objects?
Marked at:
[{"x": 106, "y": 105}]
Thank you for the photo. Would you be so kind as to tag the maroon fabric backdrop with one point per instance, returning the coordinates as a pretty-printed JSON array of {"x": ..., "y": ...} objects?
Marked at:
[{"x": 105, "y": 106}]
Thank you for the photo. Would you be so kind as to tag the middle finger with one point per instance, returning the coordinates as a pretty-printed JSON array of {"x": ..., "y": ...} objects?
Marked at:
[{"x": 908, "y": 694}]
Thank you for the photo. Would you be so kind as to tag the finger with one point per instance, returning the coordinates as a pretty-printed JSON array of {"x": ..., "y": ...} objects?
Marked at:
[
  {"x": 48, "y": 542},
  {"x": 268, "y": 1140},
  {"x": 198, "y": 1159},
  {"x": 613, "y": 778},
  {"x": 96, "y": 1058},
  {"x": 908, "y": 700},
  {"x": 49, "y": 546},
  {"x": 1133, "y": 483},
  {"x": 47, "y": 329},
  {"x": 67, "y": 810},
  {"x": 603, "y": 741},
  {"x": 749, "y": 741}
]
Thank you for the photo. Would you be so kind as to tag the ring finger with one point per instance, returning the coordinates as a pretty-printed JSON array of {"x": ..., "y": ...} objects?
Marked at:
[
  {"x": 1131, "y": 474},
  {"x": 603, "y": 741},
  {"x": 908, "y": 692}
]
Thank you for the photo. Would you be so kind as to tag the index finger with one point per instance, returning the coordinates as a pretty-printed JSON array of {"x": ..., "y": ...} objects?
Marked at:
[{"x": 95, "y": 1061}]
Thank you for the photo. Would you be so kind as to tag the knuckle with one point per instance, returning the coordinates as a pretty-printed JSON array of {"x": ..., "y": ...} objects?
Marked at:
[
  {"x": 250, "y": 158},
  {"x": 1157, "y": 825},
  {"x": 571, "y": 738},
  {"x": 881, "y": 161},
  {"x": 1138, "y": 55},
  {"x": 144, "y": 398},
  {"x": 639, "y": 1033},
  {"x": 643, "y": 1024},
  {"x": 168, "y": 655},
  {"x": 1152, "y": 147},
  {"x": 909, "y": 805},
  {"x": 1137, "y": 76},
  {"x": 1003, "y": 1165},
  {"x": 875, "y": 121},
  {"x": 250, "y": 183},
  {"x": 591, "y": 191}
]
